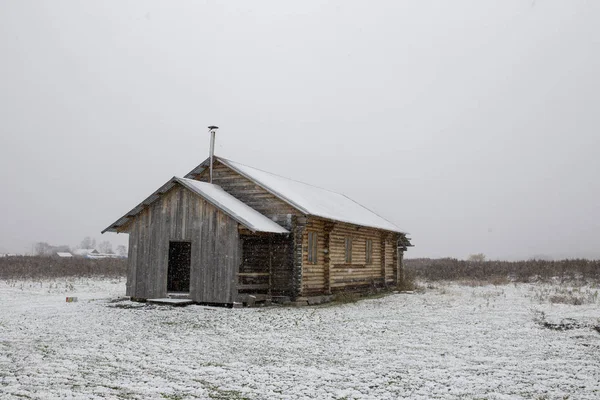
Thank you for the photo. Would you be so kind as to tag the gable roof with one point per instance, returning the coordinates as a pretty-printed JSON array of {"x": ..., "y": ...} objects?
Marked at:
[
  {"x": 308, "y": 199},
  {"x": 215, "y": 195}
]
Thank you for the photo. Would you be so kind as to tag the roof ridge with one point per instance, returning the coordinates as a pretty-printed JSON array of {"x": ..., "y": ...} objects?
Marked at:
[
  {"x": 307, "y": 198},
  {"x": 284, "y": 177}
]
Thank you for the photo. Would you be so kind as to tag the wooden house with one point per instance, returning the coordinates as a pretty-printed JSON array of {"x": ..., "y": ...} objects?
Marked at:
[{"x": 251, "y": 232}]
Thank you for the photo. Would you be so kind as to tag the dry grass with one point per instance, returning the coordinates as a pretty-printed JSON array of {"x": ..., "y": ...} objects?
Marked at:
[
  {"x": 575, "y": 296},
  {"x": 12, "y": 268},
  {"x": 503, "y": 272}
]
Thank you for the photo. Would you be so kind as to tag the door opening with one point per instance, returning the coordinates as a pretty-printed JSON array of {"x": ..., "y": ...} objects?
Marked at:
[{"x": 178, "y": 275}]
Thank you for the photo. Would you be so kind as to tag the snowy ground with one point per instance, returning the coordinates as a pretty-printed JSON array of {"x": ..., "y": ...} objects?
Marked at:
[{"x": 449, "y": 342}]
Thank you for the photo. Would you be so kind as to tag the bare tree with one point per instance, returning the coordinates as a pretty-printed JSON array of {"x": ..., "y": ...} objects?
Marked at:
[
  {"x": 42, "y": 249},
  {"x": 105, "y": 247},
  {"x": 122, "y": 251},
  {"x": 88, "y": 243},
  {"x": 479, "y": 257}
]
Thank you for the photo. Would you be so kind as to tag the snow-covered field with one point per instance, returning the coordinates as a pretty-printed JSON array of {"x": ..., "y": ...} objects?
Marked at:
[{"x": 449, "y": 342}]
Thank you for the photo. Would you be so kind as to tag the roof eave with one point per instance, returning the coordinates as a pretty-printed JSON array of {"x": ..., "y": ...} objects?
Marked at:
[
  {"x": 134, "y": 211},
  {"x": 227, "y": 211},
  {"x": 114, "y": 227}
]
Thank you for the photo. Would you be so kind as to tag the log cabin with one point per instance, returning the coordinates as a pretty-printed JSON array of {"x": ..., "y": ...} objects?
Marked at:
[{"x": 227, "y": 232}]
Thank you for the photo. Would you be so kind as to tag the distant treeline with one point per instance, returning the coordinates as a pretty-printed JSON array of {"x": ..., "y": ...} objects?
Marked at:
[
  {"x": 39, "y": 267},
  {"x": 451, "y": 269},
  {"x": 521, "y": 271}
]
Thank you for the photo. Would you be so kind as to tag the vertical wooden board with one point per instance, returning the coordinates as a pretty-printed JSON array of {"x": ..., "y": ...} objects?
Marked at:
[
  {"x": 139, "y": 272},
  {"x": 151, "y": 263},
  {"x": 220, "y": 268},
  {"x": 216, "y": 260},
  {"x": 153, "y": 233},
  {"x": 191, "y": 208},
  {"x": 146, "y": 256},
  {"x": 235, "y": 260},
  {"x": 160, "y": 283},
  {"x": 232, "y": 246},
  {"x": 212, "y": 260},
  {"x": 131, "y": 261},
  {"x": 213, "y": 288},
  {"x": 205, "y": 238},
  {"x": 162, "y": 249},
  {"x": 178, "y": 234},
  {"x": 221, "y": 259},
  {"x": 185, "y": 209},
  {"x": 172, "y": 215},
  {"x": 197, "y": 244},
  {"x": 194, "y": 237},
  {"x": 142, "y": 276}
]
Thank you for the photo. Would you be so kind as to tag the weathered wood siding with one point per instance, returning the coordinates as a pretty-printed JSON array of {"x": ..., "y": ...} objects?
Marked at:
[
  {"x": 253, "y": 195},
  {"x": 331, "y": 272},
  {"x": 180, "y": 215}
]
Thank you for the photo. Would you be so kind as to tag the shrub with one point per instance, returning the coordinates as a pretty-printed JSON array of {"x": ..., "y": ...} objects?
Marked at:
[
  {"x": 40, "y": 267},
  {"x": 409, "y": 281},
  {"x": 497, "y": 272}
]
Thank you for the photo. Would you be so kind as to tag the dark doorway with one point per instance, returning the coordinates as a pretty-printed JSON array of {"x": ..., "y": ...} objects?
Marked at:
[{"x": 178, "y": 276}]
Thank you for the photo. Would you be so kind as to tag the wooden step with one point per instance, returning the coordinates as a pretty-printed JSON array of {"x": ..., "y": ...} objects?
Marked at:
[
  {"x": 167, "y": 301},
  {"x": 179, "y": 295}
]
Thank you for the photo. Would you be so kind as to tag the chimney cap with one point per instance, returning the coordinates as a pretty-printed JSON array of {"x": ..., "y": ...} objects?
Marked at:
[{"x": 212, "y": 128}]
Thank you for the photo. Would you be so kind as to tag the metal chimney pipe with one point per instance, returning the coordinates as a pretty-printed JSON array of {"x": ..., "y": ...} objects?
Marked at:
[{"x": 212, "y": 130}]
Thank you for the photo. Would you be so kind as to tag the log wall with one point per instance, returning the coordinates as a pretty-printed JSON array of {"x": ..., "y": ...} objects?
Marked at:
[
  {"x": 313, "y": 274},
  {"x": 332, "y": 273},
  {"x": 180, "y": 215},
  {"x": 250, "y": 193}
]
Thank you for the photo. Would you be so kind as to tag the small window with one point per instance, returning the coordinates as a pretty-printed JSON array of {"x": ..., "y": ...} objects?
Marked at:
[
  {"x": 369, "y": 252},
  {"x": 312, "y": 247},
  {"x": 348, "y": 250}
]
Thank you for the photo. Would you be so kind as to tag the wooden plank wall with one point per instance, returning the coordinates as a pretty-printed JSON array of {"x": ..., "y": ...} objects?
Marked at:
[
  {"x": 180, "y": 215},
  {"x": 253, "y": 195},
  {"x": 331, "y": 272}
]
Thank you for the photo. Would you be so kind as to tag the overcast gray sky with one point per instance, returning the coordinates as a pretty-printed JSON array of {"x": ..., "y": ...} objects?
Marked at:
[{"x": 473, "y": 125}]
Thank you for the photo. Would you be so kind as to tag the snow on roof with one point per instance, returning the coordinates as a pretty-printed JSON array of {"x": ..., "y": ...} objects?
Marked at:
[
  {"x": 242, "y": 213},
  {"x": 313, "y": 200},
  {"x": 64, "y": 254},
  {"x": 84, "y": 252},
  {"x": 239, "y": 211}
]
